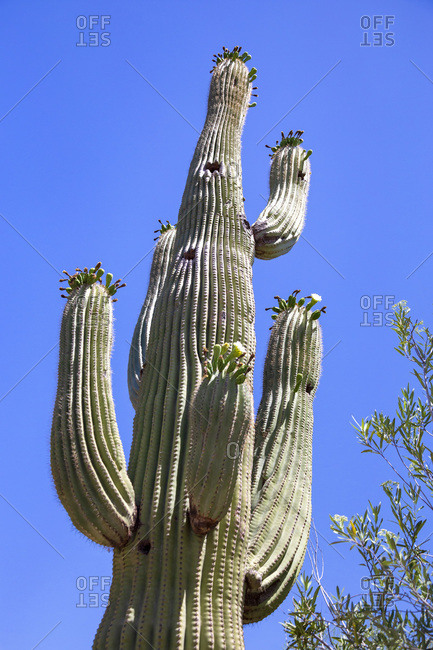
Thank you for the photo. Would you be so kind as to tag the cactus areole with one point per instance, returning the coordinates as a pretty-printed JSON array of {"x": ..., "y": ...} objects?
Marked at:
[{"x": 210, "y": 520}]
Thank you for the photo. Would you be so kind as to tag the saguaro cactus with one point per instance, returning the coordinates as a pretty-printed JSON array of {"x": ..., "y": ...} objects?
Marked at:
[{"x": 210, "y": 521}]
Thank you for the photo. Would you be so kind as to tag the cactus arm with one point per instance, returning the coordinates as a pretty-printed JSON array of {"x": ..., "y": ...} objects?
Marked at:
[
  {"x": 282, "y": 471},
  {"x": 87, "y": 459},
  {"x": 221, "y": 416},
  {"x": 161, "y": 264},
  {"x": 280, "y": 224}
]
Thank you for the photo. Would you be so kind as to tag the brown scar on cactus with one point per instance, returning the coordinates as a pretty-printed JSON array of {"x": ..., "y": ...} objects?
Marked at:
[
  {"x": 189, "y": 254},
  {"x": 200, "y": 524},
  {"x": 213, "y": 167},
  {"x": 144, "y": 546}
]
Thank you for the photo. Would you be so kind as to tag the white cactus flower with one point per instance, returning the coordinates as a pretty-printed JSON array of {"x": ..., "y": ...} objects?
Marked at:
[{"x": 238, "y": 349}]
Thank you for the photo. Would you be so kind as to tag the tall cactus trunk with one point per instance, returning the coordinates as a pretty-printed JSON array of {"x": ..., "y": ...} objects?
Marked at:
[
  {"x": 167, "y": 580},
  {"x": 195, "y": 556}
]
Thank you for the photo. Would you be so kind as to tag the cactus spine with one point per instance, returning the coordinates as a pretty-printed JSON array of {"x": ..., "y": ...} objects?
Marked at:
[{"x": 210, "y": 522}]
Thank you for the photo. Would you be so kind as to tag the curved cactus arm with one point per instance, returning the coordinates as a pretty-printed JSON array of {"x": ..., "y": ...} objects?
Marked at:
[
  {"x": 158, "y": 273},
  {"x": 221, "y": 416},
  {"x": 280, "y": 224},
  {"x": 87, "y": 460},
  {"x": 282, "y": 470}
]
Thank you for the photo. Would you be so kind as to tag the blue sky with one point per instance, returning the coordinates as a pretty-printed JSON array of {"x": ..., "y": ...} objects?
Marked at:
[{"x": 95, "y": 151}]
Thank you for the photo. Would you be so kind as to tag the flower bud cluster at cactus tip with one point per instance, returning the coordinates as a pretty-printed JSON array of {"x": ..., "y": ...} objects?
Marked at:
[
  {"x": 289, "y": 140},
  {"x": 163, "y": 229},
  {"x": 252, "y": 76},
  {"x": 233, "y": 54},
  {"x": 88, "y": 277},
  {"x": 228, "y": 363},
  {"x": 290, "y": 303}
]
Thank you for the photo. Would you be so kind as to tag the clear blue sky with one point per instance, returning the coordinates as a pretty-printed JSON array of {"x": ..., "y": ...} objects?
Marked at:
[{"x": 93, "y": 155}]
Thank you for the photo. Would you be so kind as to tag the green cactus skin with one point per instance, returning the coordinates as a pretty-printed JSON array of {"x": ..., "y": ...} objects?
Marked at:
[
  {"x": 161, "y": 264},
  {"x": 187, "y": 573},
  {"x": 221, "y": 416},
  {"x": 280, "y": 224},
  {"x": 87, "y": 460},
  {"x": 282, "y": 471}
]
